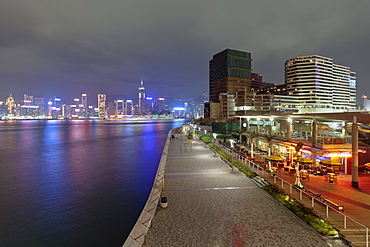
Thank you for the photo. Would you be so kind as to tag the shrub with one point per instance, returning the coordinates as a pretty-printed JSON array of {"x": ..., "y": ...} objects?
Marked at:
[
  {"x": 241, "y": 167},
  {"x": 206, "y": 139},
  {"x": 305, "y": 213}
]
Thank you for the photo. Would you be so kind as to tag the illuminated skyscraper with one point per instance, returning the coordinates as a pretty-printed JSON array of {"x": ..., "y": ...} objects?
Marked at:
[
  {"x": 118, "y": 107},
  {"x": 102, "y": 98},
  {"x": 159, "y": 105},
  {"x": 84, "y": 105},
  {"x": 129, "y": 108},
  {"x": 10, "y": 104},
  {"x": 141, "y": 97},
  {"x": 40, "y": 102},
  {"x": 57, "y": 110}
]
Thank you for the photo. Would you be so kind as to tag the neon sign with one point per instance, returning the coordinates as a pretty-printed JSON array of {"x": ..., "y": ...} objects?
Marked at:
[{"x": 264, "y": 123}]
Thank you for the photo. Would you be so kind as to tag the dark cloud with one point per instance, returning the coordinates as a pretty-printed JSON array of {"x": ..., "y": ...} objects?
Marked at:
[{"x": 69, "y": 47}]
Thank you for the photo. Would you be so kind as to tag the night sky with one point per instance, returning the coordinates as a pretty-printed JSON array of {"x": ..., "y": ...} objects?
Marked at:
[{"x": 68, "y": 47}]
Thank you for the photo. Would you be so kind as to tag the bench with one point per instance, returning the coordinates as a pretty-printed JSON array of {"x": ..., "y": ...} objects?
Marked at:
[
  {"x": 331, "y": 203},
  {"x": 313, "y": 194}
]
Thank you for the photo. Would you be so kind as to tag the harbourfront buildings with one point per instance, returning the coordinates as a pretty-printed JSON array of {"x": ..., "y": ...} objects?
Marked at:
[
  {"x": 102, "y": 108},
  {"x": 315, "y": 84},
  {"x": 312, "y": 84},
  {"x": 316, "y": 105},
  {"x": 232, "y": 85},
  {"x": 229, "y": 72}
]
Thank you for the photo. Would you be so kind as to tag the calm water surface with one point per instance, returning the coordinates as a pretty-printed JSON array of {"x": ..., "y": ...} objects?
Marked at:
[{"x": 76, "y": 183}]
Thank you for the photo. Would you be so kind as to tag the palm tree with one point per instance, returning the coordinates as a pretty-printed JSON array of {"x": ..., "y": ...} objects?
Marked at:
[
  {"x": 269, "y": 139},
  {"x": 230, "y": 130},
  {"x": 240, "y": 132},
  {"x": 251, "y": 136},
  {"x": 298, "y": 148}
]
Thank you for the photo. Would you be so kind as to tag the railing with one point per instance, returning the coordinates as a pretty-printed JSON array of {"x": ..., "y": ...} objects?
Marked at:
[
  {"x": 336, "y": 217},
  {"x": 140, "y": 229}
]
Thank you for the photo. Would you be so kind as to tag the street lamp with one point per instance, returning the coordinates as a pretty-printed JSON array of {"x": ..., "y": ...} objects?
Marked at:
[
  {"x": 214, "y": 136},
  {"x": 232, "y": 142}
]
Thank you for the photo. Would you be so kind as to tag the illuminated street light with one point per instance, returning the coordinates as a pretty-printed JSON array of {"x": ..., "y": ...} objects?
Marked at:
[{"x": 232, "y": 142}]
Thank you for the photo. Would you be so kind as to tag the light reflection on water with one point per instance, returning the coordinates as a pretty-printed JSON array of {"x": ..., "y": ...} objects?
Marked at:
[{"x": 75, "y": 183}]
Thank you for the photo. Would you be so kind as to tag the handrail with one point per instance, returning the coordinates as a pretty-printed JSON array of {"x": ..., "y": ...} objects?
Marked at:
[{"x": 260, "y": 172}]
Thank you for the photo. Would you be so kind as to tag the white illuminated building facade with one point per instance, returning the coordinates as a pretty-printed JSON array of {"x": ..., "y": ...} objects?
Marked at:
[{"x": 315, "y": 84}]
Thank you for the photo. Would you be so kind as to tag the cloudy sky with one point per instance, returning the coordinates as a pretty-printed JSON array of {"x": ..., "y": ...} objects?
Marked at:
[{"x": 68, "y": 47}]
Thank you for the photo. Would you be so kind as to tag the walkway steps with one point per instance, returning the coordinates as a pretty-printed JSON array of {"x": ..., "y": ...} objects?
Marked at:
[{"x": 353, "y": 236}]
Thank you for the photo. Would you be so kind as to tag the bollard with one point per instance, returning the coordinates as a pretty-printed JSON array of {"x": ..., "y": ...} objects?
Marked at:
[{"x": 164, "y": 202}]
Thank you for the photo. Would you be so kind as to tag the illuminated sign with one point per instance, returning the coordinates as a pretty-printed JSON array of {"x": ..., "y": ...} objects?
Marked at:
[
  {"x": 76, "y": 99},
  {"x": 149, "y": 98},
  {"x": 57, "y": 99},
  {"x": 50, "y": 103},
  {"x": 264, "y": 123},
  {"x": 30, "y": 106},
  {"x": 27, "y": 101},
  {"x": 84, "y": 95},
  {"x": 160, "y": 98},
  {"x": 130, "y": 101},
  {"x": 179, "y": 108}
]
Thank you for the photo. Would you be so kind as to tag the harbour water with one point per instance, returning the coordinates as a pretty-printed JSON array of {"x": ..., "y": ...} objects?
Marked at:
[{"x": 76, "y": 183}]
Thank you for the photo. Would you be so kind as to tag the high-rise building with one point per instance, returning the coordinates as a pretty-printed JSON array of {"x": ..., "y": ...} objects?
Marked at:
[
  {"x": 129, "y": 108},
  {"x": 3, "y": 110},
  {"x": 314, "y": 84},
  {"x": 159, "y": 105},
  {"x": 141, "y": 97},
  {"x": 10, "y": 103},
  {"x": 229, "y": 72},
  {"x": 258, "y": 83},
  {"x": 84, "y": 105},
  {"x": 119, "y": 107},
  {"x": 318, "y": 83},
  {"x": 102, "y": 99}
]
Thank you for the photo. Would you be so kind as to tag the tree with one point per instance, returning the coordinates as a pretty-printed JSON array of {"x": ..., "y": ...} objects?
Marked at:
[
  {"x": 240, "y": 132},
  {"x": 298, "y": 148},
  {"x": 252, "y": 136},
  {"x": 269, "y": 139}
]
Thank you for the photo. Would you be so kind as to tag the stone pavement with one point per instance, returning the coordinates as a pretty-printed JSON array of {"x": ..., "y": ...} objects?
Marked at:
[{"x": 208, "y": 205}]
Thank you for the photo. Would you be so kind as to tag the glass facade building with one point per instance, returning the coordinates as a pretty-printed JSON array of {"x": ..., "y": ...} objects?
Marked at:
[{"x": 229, "y": 72}]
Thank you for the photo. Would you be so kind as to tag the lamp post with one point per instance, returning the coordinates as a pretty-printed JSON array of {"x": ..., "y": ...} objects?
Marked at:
[
  {"x": 215, "y": 140},
  {"x": 214, "y": 137},
  {"x": 232, "y": 154},
  {"x": 205, "y": 134}
]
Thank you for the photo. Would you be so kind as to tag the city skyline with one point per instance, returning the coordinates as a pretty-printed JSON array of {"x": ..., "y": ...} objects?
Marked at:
[{"x": 83, "y": 47}]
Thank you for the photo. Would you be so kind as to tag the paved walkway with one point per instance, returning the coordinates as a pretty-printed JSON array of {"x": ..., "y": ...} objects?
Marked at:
[{"x": 210, "y": 206}]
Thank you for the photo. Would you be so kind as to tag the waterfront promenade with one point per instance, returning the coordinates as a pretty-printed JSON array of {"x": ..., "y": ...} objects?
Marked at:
[{"x": 208, "y": 205}]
